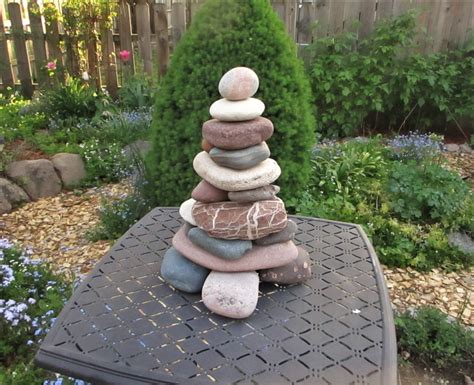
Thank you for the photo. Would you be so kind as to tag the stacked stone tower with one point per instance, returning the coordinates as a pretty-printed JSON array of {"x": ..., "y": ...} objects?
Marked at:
[{"x": 237, "y": 232}]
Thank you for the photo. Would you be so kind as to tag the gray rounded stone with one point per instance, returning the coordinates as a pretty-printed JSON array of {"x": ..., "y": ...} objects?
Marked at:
[
  {"x": 181, "y": 273},
  {"x": 240, "y": 159},
  {"x": 70, "y": 167},
  {"x": 236, "y": 111},
  {"x": 257, "y": 194},
  {"x": 285, "y": 235},
  {"x": 11, "y": 196},
  {"x": 223, "y": 248}
]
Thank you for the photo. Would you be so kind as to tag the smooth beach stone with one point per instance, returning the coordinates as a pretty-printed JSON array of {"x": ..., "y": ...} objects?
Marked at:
[
  {"x": 257, "y": 258},
  {"x": 296, "y": 271},
  {"x": 236, "y": 111},
  {"x": 236, "y": 220},
  {"x": 287, "y": 234},
  {"x": 237, "y": 135},
  {"x": 223, "y": 248},
  {"x": 256, "y": 194},
  {"x": 207, "y": 193},
  {"x": 181, "y": 273},
  {"x": 238, "y": 83},
  {"x": 240, "y": 159},
  {"x": 185, "y": 211},
  {"x": 206, "y": 146},
  {"x": 232, "y": 295},
  {"x": 227, "y": 179}
]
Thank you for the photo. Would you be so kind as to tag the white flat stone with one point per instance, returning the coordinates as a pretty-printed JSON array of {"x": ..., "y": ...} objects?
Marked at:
[
  {"x": 228, "y": 179},
  {"x": 186, "y": 211},
  {"x": 239, "y": 83},
  {"x": 233, "y": 295},
  {"x": 236, "y": 111}
]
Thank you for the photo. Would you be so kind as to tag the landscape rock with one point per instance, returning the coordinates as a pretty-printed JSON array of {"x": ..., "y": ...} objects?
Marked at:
[
  {"x": 451, "y": 147},
  {"x": 36, "y": 177},
  {"x": 237, "y": 135},
  {"x": 223, "y": 248},
  {"x": 224, "y": 178},
  {"x": 240, "y": 159},
  {"x": 232, "y": 295},
  {"x": 70, "y": 167},
  {"x": 139, "y": 147},
  {"x": 461, "y": 240},
  {"x": 11, "y": 195},
  {"x": 207, "y": 193},
  {"x": 258, "y": 258},
  {"x": 186, "y": 211},
  {"x": 465, "y": 148},
  {"x": 236, "y": 111},
  {"x": 287, "y": 234},
  {"x": 181, "y": 273},
  {"x": 238, "y": 83},
  {"x": 257, "y": 194},
  {"x": 296, "y": 271},
  {"x": 235, "y": 220}
]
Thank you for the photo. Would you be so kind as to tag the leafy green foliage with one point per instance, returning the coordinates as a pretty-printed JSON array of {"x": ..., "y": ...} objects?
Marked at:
[
  {"x": 425, "y": 192},
  {"x": 221, "y": 37},
  {"x": 136, "y": 93},
  {"x": 381, "y": 81},
  {"x": 429, "y": 336}
]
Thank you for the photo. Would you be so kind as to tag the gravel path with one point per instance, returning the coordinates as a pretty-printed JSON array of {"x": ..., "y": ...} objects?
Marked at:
[{"x": 55, "y": 230}]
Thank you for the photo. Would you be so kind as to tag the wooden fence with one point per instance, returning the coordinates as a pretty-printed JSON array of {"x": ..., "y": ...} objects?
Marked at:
[{"x": 149, "y": 29}]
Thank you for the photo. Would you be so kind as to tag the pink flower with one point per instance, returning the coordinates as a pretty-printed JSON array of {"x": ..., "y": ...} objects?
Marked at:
[
  {"x": 51, "y": 65},
  {"x": 124, "y": 55}
]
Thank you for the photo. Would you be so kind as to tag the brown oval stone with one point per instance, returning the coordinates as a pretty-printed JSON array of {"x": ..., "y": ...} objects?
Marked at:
[
  {"x": 298, "y": 270},
  {"x": 207, "y": 193},
  {"x": 236, "y": 220},
  {"x": 237, "y": 135},
  {"x": 206, "y": 146}
]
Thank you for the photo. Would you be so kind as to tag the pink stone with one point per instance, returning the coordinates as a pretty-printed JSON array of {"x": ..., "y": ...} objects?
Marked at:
[
  {"x": 238, "y": 83},
  {"x": 207, "y": 193},
  {"x": 239, "y": 220},
  {"x": 237, "y": 135},
  {"x": 257, "y": 258},
  {"x": 298, "y": 270}
]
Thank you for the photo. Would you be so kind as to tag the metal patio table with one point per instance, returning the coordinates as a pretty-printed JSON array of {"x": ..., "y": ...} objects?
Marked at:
[{"x": 125, "y": 325}]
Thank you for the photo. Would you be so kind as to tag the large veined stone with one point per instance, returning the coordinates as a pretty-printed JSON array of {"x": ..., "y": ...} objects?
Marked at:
[
  {"x": 37, "y": 177},
  {"x": 236, "y": 135},
  {"x": 207, "y": 193},
  {"x": 70, "y": 167},
  {"x": 256, "y": 194},
  {"x": 11, "y": 195},
  {"x": 223, "y": 248},
  {"x": 182, "y": 273},
  {"x": 240, "y": 159},
  {"x": 236, "y": 111},
  {"x": 186, "y": 211},
  {"x": 232, "y": 295},
  {"x": 224, "y": 178},
  {"x": 238, "y": 83},
  {"x": 235, "y": 220},
  {"x": 298, "y": 270},
  {"x": 287, "y": 234},
  {"x": 258, "y": 258}
]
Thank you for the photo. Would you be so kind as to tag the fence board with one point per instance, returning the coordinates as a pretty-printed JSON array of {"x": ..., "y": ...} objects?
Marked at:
[
  {"x": 19, "y": 41},
  {"x": 384, "y": 9},
  {"x": 351, "y": 16},
  {"x": 161, "y": 25},
  {"x": 5, "y": 66},
  {"x": 125, "y": 33},
  {"x": 322, "y": 18},
  {"x": 304, "y": 25},
  {"x": 54, "y": 49},
  {"x": 336, "y": 17},
  {"x": 37, "y": 37},
  {"x": 144, "y": 35},
  {"x": 178, "y": 20},
  {"x": 109, "y": 61},
  {"x": 367, "y": 17}
]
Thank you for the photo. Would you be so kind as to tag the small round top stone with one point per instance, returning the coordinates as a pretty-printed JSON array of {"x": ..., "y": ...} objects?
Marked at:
[{"x": 239, "y": 83}]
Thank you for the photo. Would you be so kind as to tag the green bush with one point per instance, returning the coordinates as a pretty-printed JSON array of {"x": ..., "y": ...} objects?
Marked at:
[
  {"x": 225, "y": 34},
  {"x": 381, "y": 82},
  {"x": 430, "y": 337},
  {"x": 426, "y": 192}
]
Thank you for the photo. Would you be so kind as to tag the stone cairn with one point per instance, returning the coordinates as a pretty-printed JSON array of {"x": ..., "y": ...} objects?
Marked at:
[{"x": 237, "y": 232}]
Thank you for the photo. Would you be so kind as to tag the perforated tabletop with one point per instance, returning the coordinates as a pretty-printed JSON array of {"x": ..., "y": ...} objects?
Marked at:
[{"x": 125, "y": 325}]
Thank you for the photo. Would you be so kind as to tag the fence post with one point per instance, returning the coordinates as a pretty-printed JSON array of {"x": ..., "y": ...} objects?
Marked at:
[
  {"x": 125, "y": 34},
  {"x": 52, "y": 42},
  {"x": 37, "y": 37},
  {"x": 19, "y": 41},
  {"x": 144, "y": 35},
  {"x": 161, "y": 31},
  {"x": 109, "y": 60},
  {"x": 5, "y": 65},
  {"x": 178, "y": 20}
]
